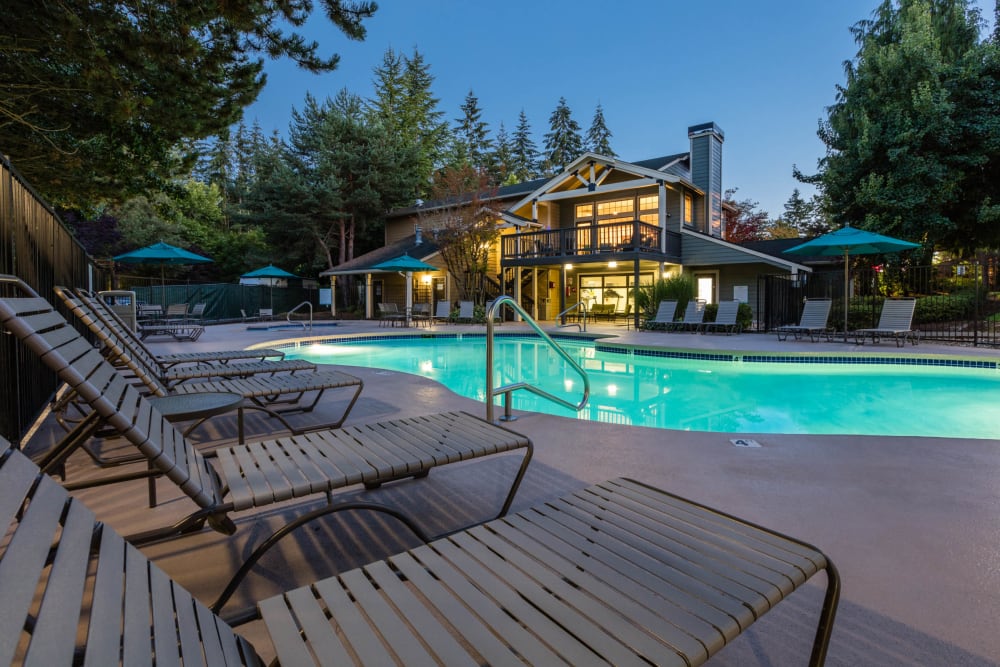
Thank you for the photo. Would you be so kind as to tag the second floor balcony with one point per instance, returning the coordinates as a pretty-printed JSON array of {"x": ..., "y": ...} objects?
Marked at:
[{"x": 615, "y": 240}]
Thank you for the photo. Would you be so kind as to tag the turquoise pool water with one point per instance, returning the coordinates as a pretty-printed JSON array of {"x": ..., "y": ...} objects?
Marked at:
[{"x": 700, "y": 394}]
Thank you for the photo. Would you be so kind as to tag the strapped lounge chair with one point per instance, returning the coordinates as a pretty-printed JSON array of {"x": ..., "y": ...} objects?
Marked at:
[
  {"x": 896, "y": 322},
  {"x": 813, "y": 323},
  {"x": 389, "y": 315},
  {"x": 664, "y": 318},
  {"x": 694, "y": 315},
  {"x": 466, "y": 312},
  {"x": 101, "y": 319},
  {"x": 255, "y": 474},
  {"x": 442, "y": 312},
  {"x": 100, "y": 314},
  {"x": 265, "y": 391},
  {"x": 619, "y": 573},
  {"x": 725, "y": 319}
]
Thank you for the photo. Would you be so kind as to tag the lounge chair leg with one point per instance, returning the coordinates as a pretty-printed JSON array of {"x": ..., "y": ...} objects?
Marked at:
[
  {"x": 825, "y": 627},
  {"x": 276, "y": 537}
]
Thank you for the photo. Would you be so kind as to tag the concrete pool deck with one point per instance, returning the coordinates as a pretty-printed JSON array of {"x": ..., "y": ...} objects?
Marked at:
[{"x": 913, "y": 524}]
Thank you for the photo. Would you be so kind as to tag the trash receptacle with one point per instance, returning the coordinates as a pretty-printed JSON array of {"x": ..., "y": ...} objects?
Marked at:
[{"x": 122, "y": 302}]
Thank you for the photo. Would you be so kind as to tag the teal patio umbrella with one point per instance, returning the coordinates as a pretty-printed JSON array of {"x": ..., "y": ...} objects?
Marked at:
[
  {"x": 849, "y": 241},
  {"x": 405, "y": 264},
  {"x": 162, "y": 253},
  {"x": 269, "y": 273}
]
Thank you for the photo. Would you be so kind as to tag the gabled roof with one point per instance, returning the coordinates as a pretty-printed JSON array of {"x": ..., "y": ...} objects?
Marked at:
[
  {"x": 660, "y": 163},
  {"x": 363, "y": 263},
  {"x": 502, "y": 193}
]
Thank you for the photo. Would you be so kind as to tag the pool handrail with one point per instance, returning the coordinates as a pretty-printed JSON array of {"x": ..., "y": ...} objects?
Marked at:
[
  {"x": 582, "y": 323},
  {"x": 508, "y": 389},
  {"x": 288, "y": 315}
]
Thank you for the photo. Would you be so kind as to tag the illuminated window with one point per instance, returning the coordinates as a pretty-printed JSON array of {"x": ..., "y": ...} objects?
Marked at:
[
  {"x": 615, "y": 208},
  {"x": 584, "y": 211},
  {"x": 650, "y": 203},
  {"x": 688, "y": 208}
]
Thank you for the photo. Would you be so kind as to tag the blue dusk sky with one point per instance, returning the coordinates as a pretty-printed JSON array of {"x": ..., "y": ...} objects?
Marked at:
[{"x": 763, "y": 71}]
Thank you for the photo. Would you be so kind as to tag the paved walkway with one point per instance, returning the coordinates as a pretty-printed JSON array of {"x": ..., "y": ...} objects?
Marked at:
[{"x": 912, "y": 523}]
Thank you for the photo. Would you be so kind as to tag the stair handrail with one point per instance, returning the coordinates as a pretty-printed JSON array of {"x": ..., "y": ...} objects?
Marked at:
[
  {"x": 508, "y": 389},
  {"x": 288, "y": 315}
]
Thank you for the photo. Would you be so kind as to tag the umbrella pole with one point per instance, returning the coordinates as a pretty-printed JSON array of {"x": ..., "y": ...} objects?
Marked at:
[
  {"x": 847, "y": 283},
  {"x": 409, "y": 298}
]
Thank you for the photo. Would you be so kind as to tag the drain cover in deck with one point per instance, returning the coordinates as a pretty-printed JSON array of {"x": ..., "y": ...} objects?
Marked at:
[{"x": 744, "y": 442}]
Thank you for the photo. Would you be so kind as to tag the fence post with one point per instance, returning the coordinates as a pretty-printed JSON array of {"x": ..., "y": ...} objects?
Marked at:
[{"x": 975, "y": 305}]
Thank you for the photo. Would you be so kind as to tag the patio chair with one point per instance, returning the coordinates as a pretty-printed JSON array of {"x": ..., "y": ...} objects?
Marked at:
[
  {"x": 694, "y": 315},
  {"x": 177, "y": 311},
  {"x": 421, "y": 314},
  {"x": 265, "y": 314},
  {"x": 725, "y": 319},
  {"x": 664, "y": 318},
  {"x": 896, "y": 322},
  {"x": 813, "y": 323},
  {"x": 239, "y": 477},
  {"x": 264, "y": 391},
  {"x": 172, "y": 372},
  {"x": 248, "y": 318},
  {"x": 498, "y": 317},
  {"x": 197, "y": 313},
  {"x": 618, "y": 573},
  {"x": 389, "y": 315}
]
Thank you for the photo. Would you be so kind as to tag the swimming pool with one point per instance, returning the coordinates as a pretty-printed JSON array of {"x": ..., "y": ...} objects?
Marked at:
[{"x": 722, "y": 392}]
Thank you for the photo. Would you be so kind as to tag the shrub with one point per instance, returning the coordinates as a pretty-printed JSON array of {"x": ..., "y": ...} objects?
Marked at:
[{"x": 678, "y": 288}]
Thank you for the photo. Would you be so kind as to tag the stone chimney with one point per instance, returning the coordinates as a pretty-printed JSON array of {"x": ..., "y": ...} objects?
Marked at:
[{"x": 706, "y": 173}]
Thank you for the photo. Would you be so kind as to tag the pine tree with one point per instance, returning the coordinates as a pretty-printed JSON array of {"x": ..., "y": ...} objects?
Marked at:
[
  {"x": 599, "y": 136},
  {"x": 472, "y": 133},
  {"x": 499, "y": 161},
  {"x": 798, "y": 212},
  {"x": 563, "y": 142},
  {"x": 424, "y": 126},
  {"x": 523, "y": 152}
]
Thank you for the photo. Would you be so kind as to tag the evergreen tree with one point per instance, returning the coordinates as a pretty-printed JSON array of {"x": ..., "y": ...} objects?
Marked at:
[
  {"x": 913, "y": 145},
  {"x": 95, "y": 96},
  {"x": 499, "y": 163},
  {"x": 472, "y": 133},
  {"x": 599, "y": 136},
  {"x": 798, "y": 213},
  {"x": 406, "y": 108},
  {"x": 523, "y": 152},
  {"x": 563, "y": 142}
]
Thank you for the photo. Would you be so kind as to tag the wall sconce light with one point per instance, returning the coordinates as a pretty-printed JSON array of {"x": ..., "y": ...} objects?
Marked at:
[
  {"x": 612, "y": 265},
  {"x": 426, "y": 279},
  {"x": 568, "y": 267}
]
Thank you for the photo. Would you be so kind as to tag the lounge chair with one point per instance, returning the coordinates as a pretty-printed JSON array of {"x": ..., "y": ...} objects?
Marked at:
[
  {"x": 265, "y": 314},
  {"x": 421, "y": 314},
  {"x": 691, "y": 320},
  {"x": 244, "y": 476},
  {"x": 249, "y": 318},
  {"x": 174, "y": 323},
  {"x": 618, "y": 573},
  {"x": 442, "y": 312},
  {"x": 725, "y": 319},
  {"x": 664, "y": 318},
  {"x": 896, "y": 322},
  {"x": 265, "y": 392},
  {"x": 466, "y": 312},
  {"x": 95, "y": 313},
  {"x": 813, "y": 323},
  {"x": 498, "y": 317},
  {"x": 172, "y": 372}
]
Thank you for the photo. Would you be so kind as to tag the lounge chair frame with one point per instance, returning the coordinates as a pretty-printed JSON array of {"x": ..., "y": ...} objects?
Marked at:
[
  {"x": 618, "y": 573},
  {"x": 693, "y": 317},
  {"x": 100, "y": 319},
  {"x": 725, "y": 319},
  {"x": 813, "y": 323},
  {"x": 895, "y": 322},
  {"x": 257, "y": 474},
  {"x": 666, "y": 313}
]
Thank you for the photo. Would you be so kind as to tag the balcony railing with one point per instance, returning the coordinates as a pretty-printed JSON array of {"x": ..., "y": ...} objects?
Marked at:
[{"x": 616, "y": 237}]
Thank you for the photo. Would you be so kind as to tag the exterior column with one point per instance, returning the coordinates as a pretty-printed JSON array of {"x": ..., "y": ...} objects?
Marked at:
[
  {"x": 409, "y": 298},
  {"x": 333, "y": 296},
  {"x": 369, "y": 295},
  {"x": 534, "y": 287},
  {"x": 661, "y": 191},
  {"x": 635, "y": 286},
  {"x": 517, "y": 291}
]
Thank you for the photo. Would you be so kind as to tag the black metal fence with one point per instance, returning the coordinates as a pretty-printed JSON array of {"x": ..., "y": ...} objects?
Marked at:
[
  {"x": 36, "y": 247},
  {"x": 956, "y": 302}
]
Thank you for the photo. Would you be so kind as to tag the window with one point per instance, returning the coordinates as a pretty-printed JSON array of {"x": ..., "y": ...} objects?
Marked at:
[
  {"x": 615, "y": 208},
  {"x": 649, "y": 209},
  {"x": 584, "y": 212},
  {"x": 688, "y": 209}
]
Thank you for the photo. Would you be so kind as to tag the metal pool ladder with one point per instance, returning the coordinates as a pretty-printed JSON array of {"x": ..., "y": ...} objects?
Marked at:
[
  {"x": 288, "y": 316},
  {"x": 508, "y": 389}
]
